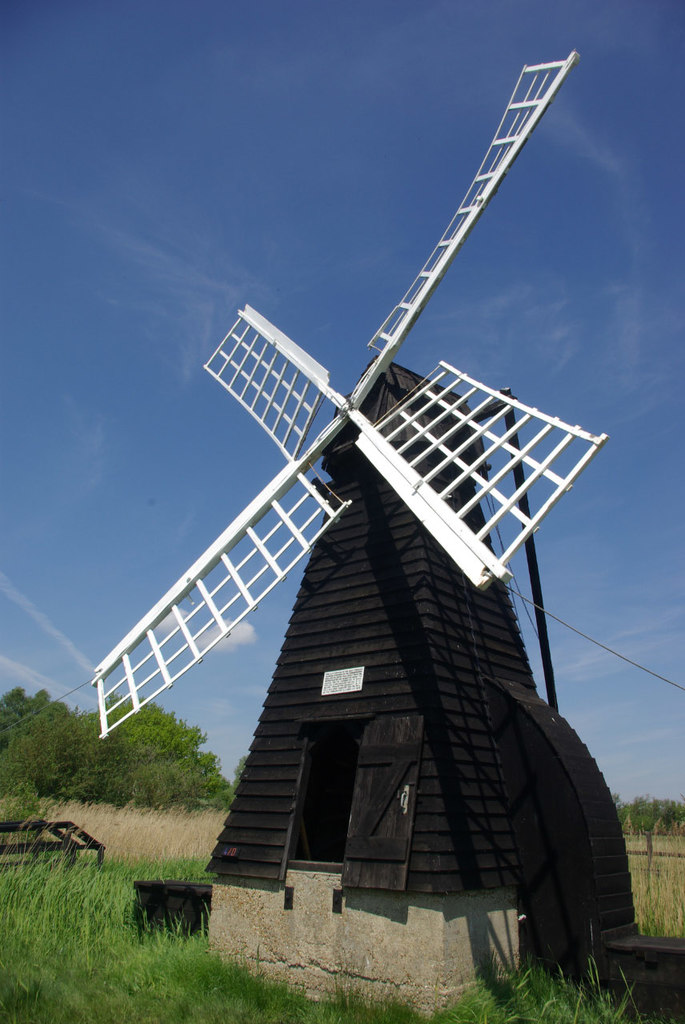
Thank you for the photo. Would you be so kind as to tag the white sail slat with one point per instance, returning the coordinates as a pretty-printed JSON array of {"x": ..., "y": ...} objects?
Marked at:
[{"x": 478, "y": 476}]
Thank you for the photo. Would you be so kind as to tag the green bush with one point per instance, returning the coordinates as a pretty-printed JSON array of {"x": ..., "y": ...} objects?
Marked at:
[
  {"x": 647, "y": 813},
  {"x": 22, "y": 804},
  {"x": 153, "y": 760}
]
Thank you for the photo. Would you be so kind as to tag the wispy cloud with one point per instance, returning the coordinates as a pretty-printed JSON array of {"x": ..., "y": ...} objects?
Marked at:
[
  {"x": 648, "y": 644},
  {"x": 490, "y": 327},
  {"x": 88, "y": 436},
  {"x": 630, "y": 321},
  {"x": 179, "y": 291},
  {"x": 244, "y": 633},
  {"x": 183, "y": 286},
  {"x": 618, "y": 167},
  {"x": 44, "y": 623},
  {"x": 642, "y": 325},
  {"x": 14, "y": 673}
]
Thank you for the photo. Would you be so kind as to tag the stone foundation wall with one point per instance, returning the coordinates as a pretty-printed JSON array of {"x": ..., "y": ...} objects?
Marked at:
[{"x": 421, "y": 948}]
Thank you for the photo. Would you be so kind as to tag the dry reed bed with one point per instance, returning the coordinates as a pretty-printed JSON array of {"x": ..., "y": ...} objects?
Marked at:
[
  {"x": 661, "y": 844},
  {"x": 659, "y": 885},
  {"x": 135, "y": 833}
]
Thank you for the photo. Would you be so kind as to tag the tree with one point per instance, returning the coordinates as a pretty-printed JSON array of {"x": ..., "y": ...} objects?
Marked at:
[
  {"x": 153, "y": 760},
  {"x": 168, "y": 766},
  {"x": 53, "y": 752},
  {"x": 644, "y": 813},
  {"x": 15, "y": 707}
]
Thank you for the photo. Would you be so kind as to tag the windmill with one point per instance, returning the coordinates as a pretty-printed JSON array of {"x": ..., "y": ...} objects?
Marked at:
[{"x": 360, "y": 761}]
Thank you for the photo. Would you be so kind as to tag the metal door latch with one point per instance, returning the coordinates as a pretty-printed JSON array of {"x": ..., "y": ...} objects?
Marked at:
[{"x": 404, "y": 799}]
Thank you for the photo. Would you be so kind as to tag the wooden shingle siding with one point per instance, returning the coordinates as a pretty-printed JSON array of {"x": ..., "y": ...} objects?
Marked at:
[{"x": 379, "y": 592}]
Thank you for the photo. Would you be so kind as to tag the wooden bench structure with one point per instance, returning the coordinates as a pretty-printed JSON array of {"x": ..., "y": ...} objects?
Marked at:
[
  {"x": 174, "y": 904},
  {"x": 21, "y": 840}
]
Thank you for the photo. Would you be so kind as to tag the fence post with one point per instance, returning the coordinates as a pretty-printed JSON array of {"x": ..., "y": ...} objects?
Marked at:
[{"x": 650, "y": 851}]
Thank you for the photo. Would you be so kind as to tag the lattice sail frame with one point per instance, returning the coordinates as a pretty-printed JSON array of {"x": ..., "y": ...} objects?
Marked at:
[
  {"x": 452, "y": 433},
  {"x": 535, "y": 89},
  {"x": 272, "y": 377},
  {"x": 225, "y": 584}
]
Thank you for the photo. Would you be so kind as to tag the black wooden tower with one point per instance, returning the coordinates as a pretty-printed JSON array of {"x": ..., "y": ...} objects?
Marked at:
[{"x": 445, "y": 771}]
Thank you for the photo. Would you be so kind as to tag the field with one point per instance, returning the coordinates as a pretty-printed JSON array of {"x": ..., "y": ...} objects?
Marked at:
[
  {"x": 133, "y": 834},
  {"x": 72, "y": 950},
  {"x": 659, "y": 886}
]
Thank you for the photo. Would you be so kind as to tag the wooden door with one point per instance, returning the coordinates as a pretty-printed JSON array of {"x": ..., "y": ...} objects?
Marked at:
[{"x": 384, "y": 804}]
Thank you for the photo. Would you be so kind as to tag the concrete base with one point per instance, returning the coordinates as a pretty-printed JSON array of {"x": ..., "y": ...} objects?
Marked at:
[{"x": 420, "y": 948}]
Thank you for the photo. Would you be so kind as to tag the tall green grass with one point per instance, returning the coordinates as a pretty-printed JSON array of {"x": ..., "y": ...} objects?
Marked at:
[{"x": 71, "y": 951}]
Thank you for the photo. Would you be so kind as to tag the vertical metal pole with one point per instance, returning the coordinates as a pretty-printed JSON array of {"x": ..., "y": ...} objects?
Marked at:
[{"x": 534, "y": 573}]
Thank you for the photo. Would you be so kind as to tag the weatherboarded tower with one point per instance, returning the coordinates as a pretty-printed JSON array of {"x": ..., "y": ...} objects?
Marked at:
[{"x": 410, "y": 807}]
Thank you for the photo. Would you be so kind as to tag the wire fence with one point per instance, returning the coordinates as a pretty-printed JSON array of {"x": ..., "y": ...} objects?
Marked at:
[{"x": 644, "y": 846}]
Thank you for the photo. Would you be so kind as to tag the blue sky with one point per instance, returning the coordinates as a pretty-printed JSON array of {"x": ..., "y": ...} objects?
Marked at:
[{"x": 166, "y": 163}]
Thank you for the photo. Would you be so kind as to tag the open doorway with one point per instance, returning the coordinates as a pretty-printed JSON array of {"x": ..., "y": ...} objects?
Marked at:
[{"x": 326, "y": 814}]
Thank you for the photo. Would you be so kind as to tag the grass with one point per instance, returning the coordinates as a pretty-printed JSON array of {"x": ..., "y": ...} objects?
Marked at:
[
  {"x": 659, "y": 888},
  {"x": 131, "y": 833},
  {"x": 72, "y": 951}
]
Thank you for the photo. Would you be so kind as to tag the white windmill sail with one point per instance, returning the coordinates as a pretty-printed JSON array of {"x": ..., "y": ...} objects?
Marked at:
[
  {"x": 273, "y": 378},
  {"x": 535, "y": 89},
  {"x": 453, "y": 433},
  {"x": 280, "y": 384},
  {"x": 253, "y": 554},
  {"x": 282, "y": 387}
]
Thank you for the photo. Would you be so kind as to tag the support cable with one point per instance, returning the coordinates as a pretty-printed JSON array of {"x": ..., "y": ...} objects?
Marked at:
[
  {"x": 527, "y": 600},
  {"x": 39, "y": 711},
  {"x": 598, "y": 643}
]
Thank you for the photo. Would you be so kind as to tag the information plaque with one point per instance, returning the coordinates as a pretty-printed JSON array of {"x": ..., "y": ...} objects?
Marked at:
[{"x": 342, "y": 680}]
